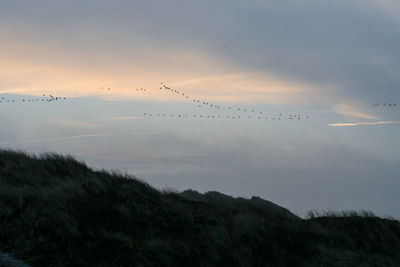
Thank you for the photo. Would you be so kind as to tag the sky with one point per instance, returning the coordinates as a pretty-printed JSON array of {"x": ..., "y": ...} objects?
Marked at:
[{"x": 331, "y": 62}]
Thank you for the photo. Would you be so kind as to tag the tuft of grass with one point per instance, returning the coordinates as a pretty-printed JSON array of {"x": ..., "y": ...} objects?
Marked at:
[{"x": 313, "y": 214}]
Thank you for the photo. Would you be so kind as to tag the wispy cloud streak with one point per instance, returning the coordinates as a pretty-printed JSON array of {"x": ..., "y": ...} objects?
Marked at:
[
  {"x": 56, "y": 139},
  {"x": 349, "y": 110},
  {"x": 362, "y": 123},
  {"x": 125, "y": 118}
]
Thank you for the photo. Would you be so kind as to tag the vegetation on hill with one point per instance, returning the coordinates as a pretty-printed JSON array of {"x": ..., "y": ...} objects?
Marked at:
[{"x": 55, "y": 211}]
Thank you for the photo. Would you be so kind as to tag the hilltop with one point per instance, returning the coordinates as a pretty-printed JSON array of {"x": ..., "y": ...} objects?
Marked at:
[{"x": 56, "y": 211}]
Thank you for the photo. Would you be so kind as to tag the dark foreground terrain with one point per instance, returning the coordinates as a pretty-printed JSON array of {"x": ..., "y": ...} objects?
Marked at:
[{"x": 55, "y": 211}]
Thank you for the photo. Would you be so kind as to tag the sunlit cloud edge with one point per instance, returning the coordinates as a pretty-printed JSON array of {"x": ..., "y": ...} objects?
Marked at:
[{"x": 362, "y": 123}]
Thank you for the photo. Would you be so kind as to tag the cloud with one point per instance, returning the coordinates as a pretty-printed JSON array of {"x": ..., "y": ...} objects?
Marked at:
[
  {"x": 292, "y": 46},
  {"x": 199, "y": 75},
  {"x": 95, "y": 123},
  {"x": 122, "y": 118},
  {"x": 352, "y": 111},
  {"x": 248, "y": 87},
  {"x": 78, "y": 123},
  {"x": 56, "y": 139},
  {"x": 391, "y": 7},
  {"x": 362, "y": 123}
]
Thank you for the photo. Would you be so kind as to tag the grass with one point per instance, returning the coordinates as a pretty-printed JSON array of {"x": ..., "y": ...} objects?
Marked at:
[{"x": 55, "y": 211}]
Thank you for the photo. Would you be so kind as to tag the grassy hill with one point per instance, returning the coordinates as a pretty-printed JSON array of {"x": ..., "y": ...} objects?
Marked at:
[{"x": 55, "y": 211}]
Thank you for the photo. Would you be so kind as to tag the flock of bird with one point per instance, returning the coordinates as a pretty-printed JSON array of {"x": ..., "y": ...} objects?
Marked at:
[
  {"x": 214, "y": 116},
  {"x": 49, "y": 98},
  {"x": 196, "y": 101},
  {"x": 219, "y": 111},
  {"x": 225, "y": 112},
  {"x": 385, "y": 105}
]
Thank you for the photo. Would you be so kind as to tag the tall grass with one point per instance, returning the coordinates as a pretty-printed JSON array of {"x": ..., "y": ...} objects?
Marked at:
[{"x": 56, "y": 211}]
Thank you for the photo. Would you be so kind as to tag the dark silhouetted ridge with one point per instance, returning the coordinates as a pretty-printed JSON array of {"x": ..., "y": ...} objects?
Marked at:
[{"x": 55, "y": 211}]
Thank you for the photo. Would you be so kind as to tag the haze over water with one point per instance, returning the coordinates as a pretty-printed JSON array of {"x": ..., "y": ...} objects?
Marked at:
[{"x": 325, "y": 77}]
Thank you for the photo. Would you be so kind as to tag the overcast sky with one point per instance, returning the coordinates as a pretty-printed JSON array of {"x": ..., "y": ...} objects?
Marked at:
[{"x": 330, "y": 60}]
